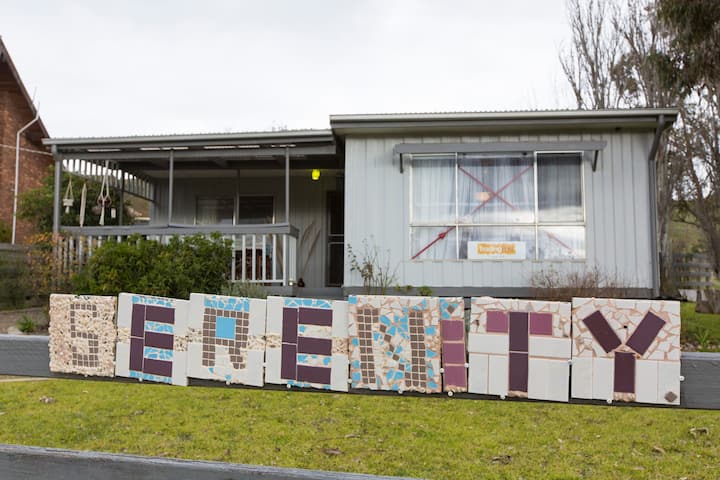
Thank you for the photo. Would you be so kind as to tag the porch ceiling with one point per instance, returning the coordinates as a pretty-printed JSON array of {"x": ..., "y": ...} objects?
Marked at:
[{"x": 249, "y": 150}]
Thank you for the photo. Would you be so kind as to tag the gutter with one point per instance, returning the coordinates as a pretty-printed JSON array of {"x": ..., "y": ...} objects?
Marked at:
[{"x": 654, "y": 250}]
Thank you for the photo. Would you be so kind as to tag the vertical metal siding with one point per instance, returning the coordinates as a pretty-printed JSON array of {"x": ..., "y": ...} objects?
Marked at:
[{"x": 616, "y": 202}]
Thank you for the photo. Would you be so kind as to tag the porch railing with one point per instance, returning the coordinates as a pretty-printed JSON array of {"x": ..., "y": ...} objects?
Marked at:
[{"x": 265, "y": 254}]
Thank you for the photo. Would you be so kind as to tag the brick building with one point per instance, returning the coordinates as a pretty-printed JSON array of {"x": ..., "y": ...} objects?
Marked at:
[{"x": 16, "y": 110}]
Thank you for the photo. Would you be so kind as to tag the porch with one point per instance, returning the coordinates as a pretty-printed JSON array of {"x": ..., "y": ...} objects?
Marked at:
[{"x": 256, "y": 189}]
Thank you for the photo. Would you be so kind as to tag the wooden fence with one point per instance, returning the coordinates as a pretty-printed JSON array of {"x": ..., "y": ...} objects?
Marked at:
[{"x": 692, "y": 271}]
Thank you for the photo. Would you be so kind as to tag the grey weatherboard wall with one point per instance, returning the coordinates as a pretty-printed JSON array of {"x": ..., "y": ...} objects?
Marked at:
[{"x": 618, "y": 213}]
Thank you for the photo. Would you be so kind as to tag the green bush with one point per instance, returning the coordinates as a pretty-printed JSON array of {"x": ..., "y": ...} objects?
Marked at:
[
  {"x": 5, "y": 233},
  {"x": 13, "y": 280},
  {"x": 189, "y": 264}
]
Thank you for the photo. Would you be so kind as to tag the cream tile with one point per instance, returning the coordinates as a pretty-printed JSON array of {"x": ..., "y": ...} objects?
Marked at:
[
  {"x": 582, "y": 378},
  {"x": 478, "y": 373},
  {"x": 603, "y": 374},
  {"x": 549, "y": 347},
  {"x": 668, "y": 382},
  {"x": 488, "y": 343},
  {"x": 646, "y": 381},
  {"x": 339, "y": 373},
  {"x": 497, "y": 375},
  {"x": 548, "y": 379}
]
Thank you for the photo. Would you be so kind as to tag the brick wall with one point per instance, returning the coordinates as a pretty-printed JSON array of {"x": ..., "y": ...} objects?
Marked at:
[{"x": 14, "y": 113}]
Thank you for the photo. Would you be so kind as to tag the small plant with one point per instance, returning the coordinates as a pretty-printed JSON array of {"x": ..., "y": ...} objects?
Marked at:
[
  {"x": 550, "y": 284},
  {"x": 375, "y": 269},
  {"x": 703, "y": 339},
  {"x": 244, "y": 289},
  {"x": 425, "y": 291},
  {"x": 27, "y": 324}
]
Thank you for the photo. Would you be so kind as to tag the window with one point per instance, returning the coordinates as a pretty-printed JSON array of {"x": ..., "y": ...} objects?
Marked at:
[
  {"x": 254, "y": 209},
  {"x": 490, "y": 205},
  {"x": 214, "y": 210}
]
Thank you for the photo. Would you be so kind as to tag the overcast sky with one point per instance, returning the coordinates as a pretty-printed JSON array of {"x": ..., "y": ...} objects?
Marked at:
[{"x": 143, "y": 67}]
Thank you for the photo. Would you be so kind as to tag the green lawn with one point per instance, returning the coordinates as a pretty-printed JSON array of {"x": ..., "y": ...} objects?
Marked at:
[
  {"x": 434, "y": 437},
  {"x": 701, "y": 328}
]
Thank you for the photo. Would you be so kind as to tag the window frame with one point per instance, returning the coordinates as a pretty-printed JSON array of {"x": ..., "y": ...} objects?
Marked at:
[{"x": 536, "y": 224}]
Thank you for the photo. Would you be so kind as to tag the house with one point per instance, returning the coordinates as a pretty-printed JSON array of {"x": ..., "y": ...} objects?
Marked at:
[
  {"x": 464, "y": 203},
  {"x": 16, "y": 111}
]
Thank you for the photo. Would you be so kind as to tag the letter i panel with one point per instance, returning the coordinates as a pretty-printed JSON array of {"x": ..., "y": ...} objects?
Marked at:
[
  {"x": 626, "y": 350},
  {"x": 226, "y": 339},
  {"x": 395, "y": 343},
  {"x": 454, "y": 352},
  {"x": 152, "y": 338},
  {"x": 307, "y": 343},
  {"x": 519, "y": 348}
]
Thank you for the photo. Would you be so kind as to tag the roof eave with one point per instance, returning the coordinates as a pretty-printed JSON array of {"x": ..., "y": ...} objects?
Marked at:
[{"x": 608, "y": 120}]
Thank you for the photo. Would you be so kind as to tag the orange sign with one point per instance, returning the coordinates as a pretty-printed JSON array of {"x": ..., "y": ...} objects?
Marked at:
[{"x": 496, "y": 250}]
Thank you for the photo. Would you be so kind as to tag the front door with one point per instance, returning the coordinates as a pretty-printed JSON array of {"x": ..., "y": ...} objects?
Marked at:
[{"x": 336, "y": 238}]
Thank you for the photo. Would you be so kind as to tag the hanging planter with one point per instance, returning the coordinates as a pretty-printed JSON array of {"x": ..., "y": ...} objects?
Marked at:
[{"x": 68, "y": 199}]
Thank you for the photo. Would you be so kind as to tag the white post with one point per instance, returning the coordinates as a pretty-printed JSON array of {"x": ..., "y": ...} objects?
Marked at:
[{"x": 17, "y": 171}]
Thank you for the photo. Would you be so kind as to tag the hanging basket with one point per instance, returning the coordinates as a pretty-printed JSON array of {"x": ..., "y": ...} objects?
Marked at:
[{"x": 68, "y": 202}]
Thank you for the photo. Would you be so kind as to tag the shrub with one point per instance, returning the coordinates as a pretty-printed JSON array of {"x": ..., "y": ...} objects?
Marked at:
[
  {"x": 550, "y": 284},
  {"x": 374, "y": 268},
  {"x": 244, "y": 289},
  {"x": 26, "y": 324},
  {"x": 5, "y": 233},
  {"x": 13, "y": 280},
  {"x": 185, "y": 264}
]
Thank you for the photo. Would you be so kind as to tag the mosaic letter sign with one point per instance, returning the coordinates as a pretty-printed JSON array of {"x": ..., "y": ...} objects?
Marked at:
[
  {"x": 452, "y": 332},
  {"x": 519, "y": 348},
  {"x": 152, "y": 338},
  {"x": 626, "y": 350},
  {"x": 82, "y": 334},
  {"x": 226, "y": 339},
  {"x": 394, "y": 343},
  {"x": 307, "y": 343}
]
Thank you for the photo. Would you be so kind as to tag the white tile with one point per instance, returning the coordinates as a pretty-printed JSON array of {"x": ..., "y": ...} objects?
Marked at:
[
  {"x": 274, "y": 315},
  {"x": 582, "y": 377},
  {"x": 196, "y": 311},
  {"x": 182, "y": 309},
  {"x": 339, "y": 373},
  {"x": 488, "y": 343},
  {"x": 478, "y": 373},
  {"x": 497, "y": 375},
  {"x": 340, "y": 319},
  {"x": 548, "y": 379},
  {"x": 549, "y": 347},
  {"x": 256, "y": 319},
  {"x": 179, "y": 369},
  {"x": 646, "y": 381},
  {"x": 254, "y": 369},
  {"x": 122, "y": 360},
  {"x": 603, "y": 375},
  {"x": 272, "y": 366},
  {"x": 194, "y": 361},
  {"x": 124, "y": 318},
  {"x": 668, "y": 381}
]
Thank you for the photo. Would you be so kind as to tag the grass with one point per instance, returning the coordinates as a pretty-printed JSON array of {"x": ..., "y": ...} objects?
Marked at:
[
  {"x": 395, "y": 435},
  {"x": 700, "y": 328}
]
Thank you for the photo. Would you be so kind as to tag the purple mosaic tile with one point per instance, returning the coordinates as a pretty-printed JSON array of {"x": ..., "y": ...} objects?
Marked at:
[
  {"x": 315, "y": 316},
  {"x": 136, "y": 354},
  {"x": 137, "y": 325},
  {"x": 317, "y": 346},
  {"x": 645, "y": 333},
  {"x": 288, "y": 361},
  {"x": 310, "y": 374},
  {"x": 453, "y": 353},
  {"x": 159, "y": 340},
  {"x": 289, "y": 328},
  {"x": 518, "y": 366},
  {"x": 601, "y": 331},
  {"x": 452, "y": 330},
  {"x": 624, "y": 380},
  {"x": 157, "y": 367},
  {"x": 160, "y": 314},
  {"x": 455, "y": 375},
  {"x": 518, "y": 331},
  {"x": 541, "y": 323},
  {"x": 497, "y": 321}
]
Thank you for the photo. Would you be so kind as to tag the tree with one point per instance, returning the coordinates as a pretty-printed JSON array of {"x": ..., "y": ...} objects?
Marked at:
[
  {"x": 613, "y": 62},
  {"x": 692, "y": 29},
  {"x": 37, "y": 204}
]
